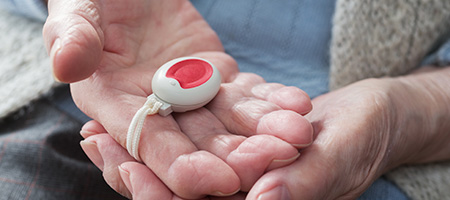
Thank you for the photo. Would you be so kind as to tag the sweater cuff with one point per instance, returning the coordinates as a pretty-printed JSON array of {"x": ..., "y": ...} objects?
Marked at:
[{"x": 35, "y": 9}]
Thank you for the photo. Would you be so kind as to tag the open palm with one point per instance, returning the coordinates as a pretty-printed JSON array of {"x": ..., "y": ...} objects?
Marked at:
[{"x": 109, "y": 51}]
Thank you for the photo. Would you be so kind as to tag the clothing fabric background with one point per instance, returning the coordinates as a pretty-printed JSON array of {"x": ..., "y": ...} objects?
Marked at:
[
  {"x": 290, "y": 45},
  {"x": 40, "y": 158}
]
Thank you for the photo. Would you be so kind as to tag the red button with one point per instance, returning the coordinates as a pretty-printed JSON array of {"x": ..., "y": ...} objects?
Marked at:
[{"x": 190, "y": 73}]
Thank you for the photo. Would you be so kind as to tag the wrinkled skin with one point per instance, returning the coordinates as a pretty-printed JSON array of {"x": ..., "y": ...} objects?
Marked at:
[{"x": 109, "y": 52}]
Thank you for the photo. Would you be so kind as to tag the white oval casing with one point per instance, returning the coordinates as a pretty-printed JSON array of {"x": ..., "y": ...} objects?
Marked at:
[{"x": 170, "y": 91}]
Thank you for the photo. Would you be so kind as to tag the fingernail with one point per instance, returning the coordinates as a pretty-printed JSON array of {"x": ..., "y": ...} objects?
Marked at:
[
  {"x": 287, "y": 160},
  {"x": 277, "y": 163},
  {"x": 54, "y": 50},
  {"x": 301, "y": 146},
  {"x": 91, "y": 150},
  {"x": 310, "y": 141},
  {"x": 85, "y": 134},
  {"x": 277, "y": 193},
  {"x": 221, "y": 194},
  {"x": 125, "y": 174}
]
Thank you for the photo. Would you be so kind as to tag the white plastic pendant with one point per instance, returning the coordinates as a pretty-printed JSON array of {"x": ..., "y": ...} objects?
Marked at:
[
  {"x": 185, "y": 84},
  {"x": 180, "y": 85}
]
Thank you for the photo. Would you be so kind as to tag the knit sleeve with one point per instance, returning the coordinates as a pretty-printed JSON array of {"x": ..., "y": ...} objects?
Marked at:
[{"x": 35, "y": 9}]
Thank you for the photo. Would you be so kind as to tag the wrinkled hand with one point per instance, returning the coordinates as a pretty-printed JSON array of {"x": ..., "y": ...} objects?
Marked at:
[
  {"x": 354, "y": 130},
  {"x": 357, "y": 139},
  {"x": 109, "y": 51}
]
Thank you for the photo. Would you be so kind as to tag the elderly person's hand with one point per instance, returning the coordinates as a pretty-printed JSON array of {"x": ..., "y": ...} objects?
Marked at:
[
  {"x": 109, "y": 51},
  {"x": 362, "y": 131}
]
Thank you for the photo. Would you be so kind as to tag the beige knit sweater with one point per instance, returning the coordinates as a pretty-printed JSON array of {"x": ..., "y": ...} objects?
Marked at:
[{"x": 371, "y": 38}]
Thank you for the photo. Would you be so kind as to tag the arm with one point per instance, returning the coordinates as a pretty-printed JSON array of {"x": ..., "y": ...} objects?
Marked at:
[{"x": 426, "y": 107}]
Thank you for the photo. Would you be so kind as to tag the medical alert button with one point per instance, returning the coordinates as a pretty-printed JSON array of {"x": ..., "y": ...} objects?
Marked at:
[{"x": 185, "y": 84}]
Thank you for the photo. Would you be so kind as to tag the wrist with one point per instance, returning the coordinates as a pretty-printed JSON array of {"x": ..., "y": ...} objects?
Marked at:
[{"x": 421, "y": 117}]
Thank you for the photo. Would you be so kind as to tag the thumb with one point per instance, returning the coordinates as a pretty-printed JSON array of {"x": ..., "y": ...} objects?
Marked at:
[{"x": 74, "y": 39}]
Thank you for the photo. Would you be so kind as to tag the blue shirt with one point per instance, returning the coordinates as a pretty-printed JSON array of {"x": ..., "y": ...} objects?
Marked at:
[{"x": 284, "y": 41}]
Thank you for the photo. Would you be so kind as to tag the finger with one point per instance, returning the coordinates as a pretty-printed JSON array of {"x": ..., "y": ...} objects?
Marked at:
[
  {"x": 289, "y": 98},
  {"x": 249, "y": 157},
  {"x": 287, "y": 125},
  {"x": 318, "y": 174},
  {"x": 300, "y": 180},
  {"x": 142, "y": 182},
  {"x": 107, "y": 155},
  {"x": 245, "y": 110},
  {"x": 122, "y": 172},
  {"x": 91, "y": 128},
  {"x": 74, "y": 39},
  {"x": 167, "y": 151}
]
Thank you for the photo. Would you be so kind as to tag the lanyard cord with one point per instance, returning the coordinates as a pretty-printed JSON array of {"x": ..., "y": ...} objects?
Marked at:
[{"x": 150, "y": 107}]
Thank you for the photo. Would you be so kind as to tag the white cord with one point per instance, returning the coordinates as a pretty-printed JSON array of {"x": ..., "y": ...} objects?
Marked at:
[{"x": 150, "y": 107}]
